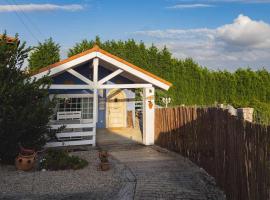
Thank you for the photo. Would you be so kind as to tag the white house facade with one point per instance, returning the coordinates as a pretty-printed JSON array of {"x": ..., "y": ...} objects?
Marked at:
[{"x": 95, "y": 89}]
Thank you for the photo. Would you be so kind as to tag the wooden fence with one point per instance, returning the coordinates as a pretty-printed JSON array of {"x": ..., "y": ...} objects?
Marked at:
[{"x": 235, "y": 152}]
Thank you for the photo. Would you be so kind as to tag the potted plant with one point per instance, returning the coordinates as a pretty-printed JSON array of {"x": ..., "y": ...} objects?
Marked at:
[
  {"x": 104, "y": 162},
  {"x": 26, "y": 159}
]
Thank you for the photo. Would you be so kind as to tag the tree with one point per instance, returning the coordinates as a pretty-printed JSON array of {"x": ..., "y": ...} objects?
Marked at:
[
  {"x": 24, "y": 105},
  {"x": 83, "y": 46},
  {"x": 44, "y": 54}
]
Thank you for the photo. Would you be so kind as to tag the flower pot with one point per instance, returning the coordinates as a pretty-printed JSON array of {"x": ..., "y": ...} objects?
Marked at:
[
  {"x": 104, "y": 166},
  {"x": 103, "y": 154},
  {"x": 25, "y": 151},
  {"x": 25, "y": 162}
]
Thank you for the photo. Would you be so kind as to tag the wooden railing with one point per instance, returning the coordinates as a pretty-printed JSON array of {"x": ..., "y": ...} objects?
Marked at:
[
  {"x": 138, "y": 106},
  {"x": 74, "y": 134}
]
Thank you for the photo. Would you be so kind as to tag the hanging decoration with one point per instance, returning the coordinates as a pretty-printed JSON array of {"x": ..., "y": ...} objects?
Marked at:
[{"x": 150, "y": 104}]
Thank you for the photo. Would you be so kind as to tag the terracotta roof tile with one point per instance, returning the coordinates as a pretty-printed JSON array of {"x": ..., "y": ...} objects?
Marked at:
[{"x": 9, "y": 38}]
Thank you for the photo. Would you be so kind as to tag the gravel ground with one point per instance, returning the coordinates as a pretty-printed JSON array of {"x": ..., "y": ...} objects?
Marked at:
[{"x": 87, "y": 183}]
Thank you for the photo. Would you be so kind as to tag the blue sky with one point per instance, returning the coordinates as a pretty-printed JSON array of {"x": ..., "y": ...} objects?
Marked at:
[{"x": 219, "y": 34}]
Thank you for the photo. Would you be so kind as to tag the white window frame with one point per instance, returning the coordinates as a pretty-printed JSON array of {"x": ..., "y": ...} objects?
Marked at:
[{"x": 51, "y": 96}]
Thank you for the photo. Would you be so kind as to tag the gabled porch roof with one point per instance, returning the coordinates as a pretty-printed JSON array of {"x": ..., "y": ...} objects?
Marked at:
[{"x": 96, "y": 52}]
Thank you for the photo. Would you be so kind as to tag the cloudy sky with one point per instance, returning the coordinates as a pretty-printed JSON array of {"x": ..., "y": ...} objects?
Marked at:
[{"x": 219, "y": 34}]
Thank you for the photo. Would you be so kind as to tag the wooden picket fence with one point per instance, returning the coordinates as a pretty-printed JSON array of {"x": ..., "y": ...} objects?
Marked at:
[{"x": 235, "y": 152}]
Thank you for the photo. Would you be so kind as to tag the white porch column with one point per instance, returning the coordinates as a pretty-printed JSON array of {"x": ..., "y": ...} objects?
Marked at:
[
  {"x": 148, "y": 115},
  {"x": 95, "y": 93}
]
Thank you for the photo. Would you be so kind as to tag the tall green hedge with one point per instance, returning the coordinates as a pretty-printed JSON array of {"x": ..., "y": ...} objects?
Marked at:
[{"x": 193, "y": 84}]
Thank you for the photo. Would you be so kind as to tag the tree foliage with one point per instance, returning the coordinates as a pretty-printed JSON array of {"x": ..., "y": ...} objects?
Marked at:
[
  {"x": 83, "y": 46},
  {"x": 44, "y": 54},
  {"x": 24, "y": 111}
]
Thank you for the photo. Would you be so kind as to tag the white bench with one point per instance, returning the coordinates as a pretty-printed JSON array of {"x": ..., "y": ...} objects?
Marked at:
[{"x": 70, "y": 115}]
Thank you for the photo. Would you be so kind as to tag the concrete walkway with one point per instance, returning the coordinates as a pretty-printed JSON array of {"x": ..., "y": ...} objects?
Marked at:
[{"x": 155, "y": 173}]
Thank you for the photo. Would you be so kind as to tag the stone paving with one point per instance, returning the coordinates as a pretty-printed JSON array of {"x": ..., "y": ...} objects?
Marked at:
[
  {"x": 156, "y": 173},
  {"x": 162, "y": 175}
]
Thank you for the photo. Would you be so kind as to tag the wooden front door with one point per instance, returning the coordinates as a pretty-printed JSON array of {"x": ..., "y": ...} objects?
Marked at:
[{"x": 116, "y": 109}]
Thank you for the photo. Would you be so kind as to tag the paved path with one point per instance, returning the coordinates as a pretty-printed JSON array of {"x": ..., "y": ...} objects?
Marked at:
[{"x": 155, "y": 173}]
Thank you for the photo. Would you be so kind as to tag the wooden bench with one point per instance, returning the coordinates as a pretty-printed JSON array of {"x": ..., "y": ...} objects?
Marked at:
[{"x": 70, "y": 115}]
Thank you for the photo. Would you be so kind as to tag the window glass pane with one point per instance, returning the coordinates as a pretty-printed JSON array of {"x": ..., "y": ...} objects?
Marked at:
[{"x": 85, "y": 105}]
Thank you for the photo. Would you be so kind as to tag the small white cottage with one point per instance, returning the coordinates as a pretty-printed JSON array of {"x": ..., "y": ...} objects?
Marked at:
[{"x": 95, "y": 89}]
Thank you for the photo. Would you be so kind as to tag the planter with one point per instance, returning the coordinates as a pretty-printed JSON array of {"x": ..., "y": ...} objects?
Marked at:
[
  {"x": 104, "y": 162},
  {"x": 25, "y": 162},
  {"x": 104, "y": 166},
  {"x": 25, "y": 151},
  {"x": 103, "y": 154}
]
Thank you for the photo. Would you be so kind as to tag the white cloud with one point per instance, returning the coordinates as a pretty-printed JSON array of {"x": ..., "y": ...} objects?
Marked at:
[
  {"x": 183, "y": 6},
  {"x": 178, "y": 33},
  {"x": 39, "y": 7},
  {"x": 245, "y": 42},
  {"x": 244, "y": 32}
]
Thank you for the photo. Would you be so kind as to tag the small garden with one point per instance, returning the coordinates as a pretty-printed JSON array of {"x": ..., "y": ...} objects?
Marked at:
[{"x": 61, "y": 160}]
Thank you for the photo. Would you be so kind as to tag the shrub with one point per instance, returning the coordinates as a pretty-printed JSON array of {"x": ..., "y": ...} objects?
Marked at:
[
  {"x": 24, "y": 105},
  {"x": 61, "y": 160}
]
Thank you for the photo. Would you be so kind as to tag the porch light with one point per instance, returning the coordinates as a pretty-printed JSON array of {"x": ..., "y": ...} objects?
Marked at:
[{"x": 166, "y": 101}]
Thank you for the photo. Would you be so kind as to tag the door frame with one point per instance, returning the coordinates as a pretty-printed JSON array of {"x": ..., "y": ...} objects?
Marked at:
[{"x": 107, "y": 108}]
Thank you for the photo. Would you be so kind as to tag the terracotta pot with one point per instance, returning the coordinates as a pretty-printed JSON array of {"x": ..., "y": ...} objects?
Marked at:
[
  {"x": 25, "y": 162},
  {"x": 104, "y": 166}
]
